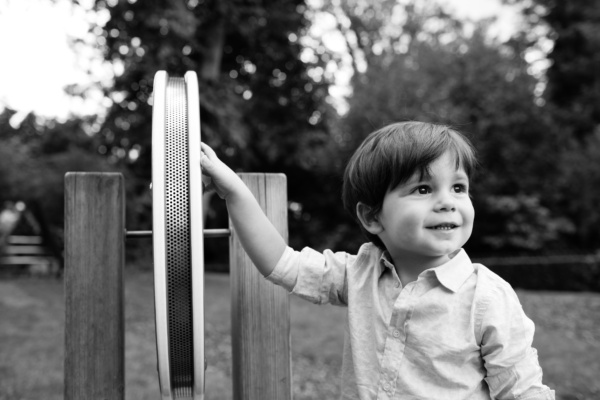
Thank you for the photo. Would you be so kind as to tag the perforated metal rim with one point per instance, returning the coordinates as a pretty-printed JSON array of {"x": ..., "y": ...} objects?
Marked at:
[
  {"x": 158, "y": 232},
  {"x": 177, "y": 213},
  {"x": 197, "y": 229}
]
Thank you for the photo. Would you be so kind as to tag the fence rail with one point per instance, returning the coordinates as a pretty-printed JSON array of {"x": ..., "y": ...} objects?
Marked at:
[{"x": 573, "y": 259}]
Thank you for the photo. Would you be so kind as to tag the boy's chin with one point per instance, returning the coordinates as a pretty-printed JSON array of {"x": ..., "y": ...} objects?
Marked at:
[
  {"x": 443, "y": 252},
  {"x": 454, "y": 253}
]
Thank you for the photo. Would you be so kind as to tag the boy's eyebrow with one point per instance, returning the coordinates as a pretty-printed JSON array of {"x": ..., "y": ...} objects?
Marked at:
[
  {"x": 460, "y": 173},
  {"x": 425, "y": 177},
  {"x": 413, "y": 180},
  {"x": 417, "y": 177}
]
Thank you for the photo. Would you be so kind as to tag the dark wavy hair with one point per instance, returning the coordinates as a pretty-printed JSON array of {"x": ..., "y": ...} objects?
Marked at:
[{"x": 391, "y": 155}]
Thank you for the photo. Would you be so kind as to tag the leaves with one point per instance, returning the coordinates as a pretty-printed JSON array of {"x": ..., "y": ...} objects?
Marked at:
[
  {"x": 263, "y": 108},
  {"x": 482, "y": 88},
  {"x": 521, "y": 222}
]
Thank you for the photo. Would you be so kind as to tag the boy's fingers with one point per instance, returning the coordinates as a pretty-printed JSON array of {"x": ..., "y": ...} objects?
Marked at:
[
  {"x": 210, "y": 153},
  {"x": 208, "y": 185},
  {"x": 206, "y": 180},
  {"x": 206, "y": 163},
  {"x": 204, "y": 160},
  {"x": 210, "y": 165}
]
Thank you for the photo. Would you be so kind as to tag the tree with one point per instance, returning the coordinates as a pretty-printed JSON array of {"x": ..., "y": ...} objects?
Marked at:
[
  {"x": 260, "y": 109},
  {"x": 573, "y": 76},
  {"x": 34, "y": 159},
  {"x": 567, "y": 32},
  {"x": 483, "y": 88}
]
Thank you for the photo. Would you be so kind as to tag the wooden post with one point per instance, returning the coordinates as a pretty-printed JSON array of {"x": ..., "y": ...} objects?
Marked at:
[
  {"x": 260, "y": 318},
  {"x": 94, "y": 260}
]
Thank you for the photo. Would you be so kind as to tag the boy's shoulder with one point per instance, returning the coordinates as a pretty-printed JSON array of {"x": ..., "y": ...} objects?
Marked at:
[
  {"x": 367, "y": 256},
  {"x": 491, "y": 286},
  {"x": 368, "y": 253},
  {"x": 488, "y": 277}
]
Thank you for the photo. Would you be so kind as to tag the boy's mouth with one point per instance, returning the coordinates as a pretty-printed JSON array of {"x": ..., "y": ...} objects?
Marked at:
[{"x": 443, "y": 227}]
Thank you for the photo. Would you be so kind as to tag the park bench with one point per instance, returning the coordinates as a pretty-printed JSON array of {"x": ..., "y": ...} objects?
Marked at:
[
  {"x": 25, "y": 246},
  {"x": 22, "y": 254}
]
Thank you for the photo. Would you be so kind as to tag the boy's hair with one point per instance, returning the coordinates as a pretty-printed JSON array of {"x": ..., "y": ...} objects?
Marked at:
[{"x": 391, "y": 155}]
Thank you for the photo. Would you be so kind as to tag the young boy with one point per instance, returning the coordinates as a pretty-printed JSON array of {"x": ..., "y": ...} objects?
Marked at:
[{"x": 424, "y": 322}]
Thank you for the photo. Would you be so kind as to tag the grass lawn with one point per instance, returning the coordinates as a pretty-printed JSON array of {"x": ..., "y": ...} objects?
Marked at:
[{"x": 32, "y": 341}]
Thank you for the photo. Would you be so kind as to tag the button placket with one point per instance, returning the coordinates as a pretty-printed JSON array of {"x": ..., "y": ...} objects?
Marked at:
[
  {"x": 393, "y": 352},
  {"x": 387, "y": 389},
  {"x": 392, "y": 358}
]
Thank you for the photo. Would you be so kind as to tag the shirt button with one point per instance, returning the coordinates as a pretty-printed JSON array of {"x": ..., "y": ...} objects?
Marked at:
[
  {"x": 397, "y": 284},
  {"x": 396, "y": 333},
  {"x": 386, "y": 387}
]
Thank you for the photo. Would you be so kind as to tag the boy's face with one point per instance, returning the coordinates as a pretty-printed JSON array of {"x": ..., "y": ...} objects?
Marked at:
[{"x": 426, "y": 219}]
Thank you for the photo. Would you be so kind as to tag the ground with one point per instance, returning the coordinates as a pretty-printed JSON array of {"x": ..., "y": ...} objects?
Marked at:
[{"x": 32, "y": 341}]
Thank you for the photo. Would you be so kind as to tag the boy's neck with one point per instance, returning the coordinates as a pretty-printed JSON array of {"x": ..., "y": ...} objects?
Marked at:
[{"x": 409, "y": 268}]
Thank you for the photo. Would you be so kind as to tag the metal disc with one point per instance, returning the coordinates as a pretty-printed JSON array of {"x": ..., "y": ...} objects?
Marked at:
[{"x": 178, "y": 246}]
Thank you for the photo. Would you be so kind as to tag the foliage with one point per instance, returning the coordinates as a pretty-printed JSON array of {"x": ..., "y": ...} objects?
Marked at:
[
  {"x": 572, "y": 98},
  {"x": 263, "y": 89},
  {"x": 263, "y": 110},
  {"x": 483, "y": 88},
  {"x": 579, "y": 183},
  {"x": 573, "y": 75},
  {"x": 260, "y": 109},
  {"x": 521, "y": 222},
  {"x": 34, "y": 159}
]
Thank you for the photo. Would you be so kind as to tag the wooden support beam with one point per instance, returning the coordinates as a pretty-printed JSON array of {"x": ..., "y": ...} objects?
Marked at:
[
  {"x": 94, "y": 260},
  {"x": 260, "y": 319}
]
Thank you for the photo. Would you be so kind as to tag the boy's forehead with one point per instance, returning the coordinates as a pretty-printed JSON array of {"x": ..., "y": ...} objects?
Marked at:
[{"x": 427, "y": 173}]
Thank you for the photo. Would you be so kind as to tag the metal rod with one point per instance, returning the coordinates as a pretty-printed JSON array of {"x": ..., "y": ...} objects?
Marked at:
[
  {"x": 216, "y": 233},
  {"x": 138, "y": 234},
  {"x": 208, "y": 233}
]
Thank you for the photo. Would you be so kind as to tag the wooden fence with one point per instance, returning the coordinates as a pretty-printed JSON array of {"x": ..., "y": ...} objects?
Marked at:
[{"x": 94, "y": 295}]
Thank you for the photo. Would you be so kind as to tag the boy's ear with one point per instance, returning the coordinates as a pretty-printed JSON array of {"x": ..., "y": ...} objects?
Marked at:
[{"x": 368, "y": 219}]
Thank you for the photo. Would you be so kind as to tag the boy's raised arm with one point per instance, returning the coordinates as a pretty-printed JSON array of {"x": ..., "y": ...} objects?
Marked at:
[{"x": 258, "y": 236}]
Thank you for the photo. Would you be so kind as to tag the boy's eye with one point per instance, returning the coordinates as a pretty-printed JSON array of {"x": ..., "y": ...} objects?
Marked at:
[
  {"x": 423, "y": 189},
  {"x": 461, "y": 188}
]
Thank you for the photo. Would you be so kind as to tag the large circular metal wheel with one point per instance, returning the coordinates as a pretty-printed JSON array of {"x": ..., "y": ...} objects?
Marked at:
[{"x": 178, "y": 247}]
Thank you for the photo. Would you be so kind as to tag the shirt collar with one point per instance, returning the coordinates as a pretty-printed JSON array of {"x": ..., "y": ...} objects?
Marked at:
[
  {"x": 455, "y": 272},
  {"x": 385, "y": 261},
  {"x": 451, "y": 274}
]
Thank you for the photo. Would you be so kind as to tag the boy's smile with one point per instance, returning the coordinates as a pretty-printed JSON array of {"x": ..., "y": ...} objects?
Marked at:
[{"x": 423, "y": 221}]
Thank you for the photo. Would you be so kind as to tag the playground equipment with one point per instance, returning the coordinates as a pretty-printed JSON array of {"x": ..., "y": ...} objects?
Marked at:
[
  {"x": 177, "y": 223},
  {"x": 95, "y": 237}
]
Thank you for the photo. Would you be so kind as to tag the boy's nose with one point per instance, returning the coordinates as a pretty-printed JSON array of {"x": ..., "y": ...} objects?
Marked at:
[{"x": 446, "y": 202}]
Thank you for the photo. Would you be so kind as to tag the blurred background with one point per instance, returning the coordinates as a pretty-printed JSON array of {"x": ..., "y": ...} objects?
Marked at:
[{"x": 294, "y": 86}]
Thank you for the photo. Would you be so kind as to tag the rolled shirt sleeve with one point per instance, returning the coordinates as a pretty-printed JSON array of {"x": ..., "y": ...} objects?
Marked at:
[
  {"x": 513, "y": 370},
  {"x": 317, "y": 277}
]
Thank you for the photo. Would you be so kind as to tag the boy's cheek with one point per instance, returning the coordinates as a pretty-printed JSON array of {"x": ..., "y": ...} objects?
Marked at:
[
  {"x": 468, "y": 230},
  {"x": 469, "y": 212}
]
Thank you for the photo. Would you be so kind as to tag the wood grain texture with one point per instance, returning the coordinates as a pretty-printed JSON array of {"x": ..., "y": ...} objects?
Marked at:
[
  {"x": 260, "y": 319},
  {"x": 94, "y": 260}
]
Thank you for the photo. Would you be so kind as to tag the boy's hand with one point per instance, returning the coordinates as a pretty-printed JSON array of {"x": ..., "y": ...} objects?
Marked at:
[
  {"x": 216, "y": 175},
  {"x": 261, "y": 240}
]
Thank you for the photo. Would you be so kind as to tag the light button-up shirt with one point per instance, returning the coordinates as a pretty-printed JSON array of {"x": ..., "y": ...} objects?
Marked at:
[{"x": 457, "y": 332}]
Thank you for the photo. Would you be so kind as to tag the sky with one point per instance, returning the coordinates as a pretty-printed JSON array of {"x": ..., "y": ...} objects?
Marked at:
[{"x": 38, "y": 59}]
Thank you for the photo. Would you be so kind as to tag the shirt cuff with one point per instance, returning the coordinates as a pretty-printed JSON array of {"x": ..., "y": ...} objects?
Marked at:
[
  {"x": 545, "y": 394},
  {"x": 285, "y": 272}
]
